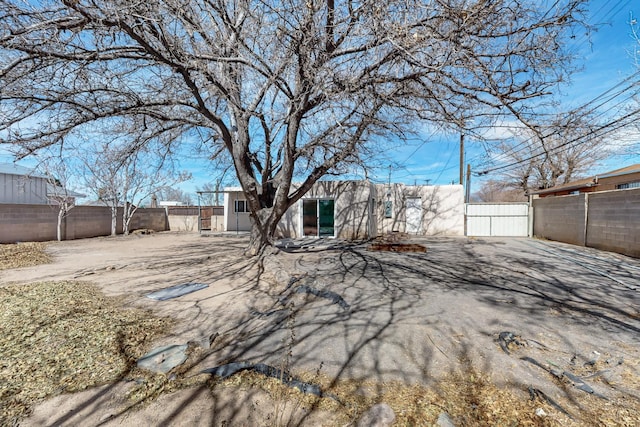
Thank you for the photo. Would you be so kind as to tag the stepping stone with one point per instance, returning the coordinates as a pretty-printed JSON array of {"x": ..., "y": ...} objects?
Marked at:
[{"x": 164, "y": 359}]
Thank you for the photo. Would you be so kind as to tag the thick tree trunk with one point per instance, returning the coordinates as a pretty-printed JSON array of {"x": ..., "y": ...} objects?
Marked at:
[
  {"x": 263, "y": 229},
  {"x": 259, "y": 241}
]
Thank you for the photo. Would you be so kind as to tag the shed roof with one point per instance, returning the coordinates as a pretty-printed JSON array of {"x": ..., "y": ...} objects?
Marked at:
[{"x": 14, "y": 169}]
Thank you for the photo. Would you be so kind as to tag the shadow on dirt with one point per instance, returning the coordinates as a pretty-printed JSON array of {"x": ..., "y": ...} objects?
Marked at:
[{"x": 415, "y": 318}]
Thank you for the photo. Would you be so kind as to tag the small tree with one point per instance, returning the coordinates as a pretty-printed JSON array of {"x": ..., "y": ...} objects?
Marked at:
[
  {"x": 551, "y": 154},
  {"x": 57, "y": 169},
  {"x": 124, "y": 179}
]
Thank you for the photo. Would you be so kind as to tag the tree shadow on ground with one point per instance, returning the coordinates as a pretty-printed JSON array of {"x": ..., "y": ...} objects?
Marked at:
[{"x": 409, "y": 317}]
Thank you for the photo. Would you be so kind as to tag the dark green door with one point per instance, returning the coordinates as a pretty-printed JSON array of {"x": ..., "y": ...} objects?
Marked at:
[{"x": 326, "y": 218}]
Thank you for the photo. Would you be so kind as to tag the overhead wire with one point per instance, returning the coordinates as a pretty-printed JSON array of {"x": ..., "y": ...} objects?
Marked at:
[{"x": 568, "y": 144}]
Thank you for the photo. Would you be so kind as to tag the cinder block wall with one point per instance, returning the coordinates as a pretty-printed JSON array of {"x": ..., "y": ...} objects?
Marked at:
[
  {"x": 150, "y": 218},
  {"x": 560, "y": 218},
  {"x": 37, "y": 223},
  {"x": 613, "y": 222},
  {"x": 28, "y": 223}
]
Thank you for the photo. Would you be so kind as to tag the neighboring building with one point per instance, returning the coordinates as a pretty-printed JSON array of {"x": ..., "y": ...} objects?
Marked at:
[
  {"x": 360, "y": 209},
  {"x": 23, "y": 186},
  {"x": 619, "y": 179}
]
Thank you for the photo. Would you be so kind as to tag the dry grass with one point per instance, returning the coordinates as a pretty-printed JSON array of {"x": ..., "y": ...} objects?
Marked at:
[
  {"x": 23, "y": 255},
  {"x": 470, "y": 398},
  {"x": 58, "y": 337}
]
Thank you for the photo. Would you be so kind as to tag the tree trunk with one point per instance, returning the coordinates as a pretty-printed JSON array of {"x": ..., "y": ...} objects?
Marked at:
[
  {"x": 60, "y": 218},
  {"x": 263, "y": 231},
  {"x": 114, "y": 220}
]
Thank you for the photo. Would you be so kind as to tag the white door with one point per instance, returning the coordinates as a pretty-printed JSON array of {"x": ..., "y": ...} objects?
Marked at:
[{"x": 413, "y": 209}]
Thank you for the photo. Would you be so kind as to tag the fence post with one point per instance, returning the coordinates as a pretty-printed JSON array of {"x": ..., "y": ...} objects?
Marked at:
[{"x": 586, "y": 218}]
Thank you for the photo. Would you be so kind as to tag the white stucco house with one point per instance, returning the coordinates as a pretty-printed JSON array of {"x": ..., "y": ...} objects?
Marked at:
[{"x": 360, "y": 210}]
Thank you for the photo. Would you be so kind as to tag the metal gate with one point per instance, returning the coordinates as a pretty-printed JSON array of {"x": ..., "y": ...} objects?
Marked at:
[{"x": 497, "y": 219}]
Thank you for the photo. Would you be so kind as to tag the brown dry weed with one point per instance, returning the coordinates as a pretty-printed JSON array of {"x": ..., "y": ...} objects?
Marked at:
[
  {"x": 58, "y": 337},
  {"x": 23, "y": 255}
]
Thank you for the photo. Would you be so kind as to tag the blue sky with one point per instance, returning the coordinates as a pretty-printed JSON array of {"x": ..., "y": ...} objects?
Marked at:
[{"x": 606, "y": 59}]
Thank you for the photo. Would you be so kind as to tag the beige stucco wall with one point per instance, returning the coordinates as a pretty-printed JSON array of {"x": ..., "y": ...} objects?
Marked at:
[
  {"x": 359, "y": 209},
  {"x": 190, "y": 223},
  {"x": 240, "y": 221},
  {"x": 442, "y": 208},
  {"x": 351, "y": 209}
]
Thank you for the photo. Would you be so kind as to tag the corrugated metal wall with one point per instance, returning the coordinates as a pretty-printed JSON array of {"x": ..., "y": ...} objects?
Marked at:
[
  {"x": 16, "y": 189},
  {"x": 497, "y": 219}
]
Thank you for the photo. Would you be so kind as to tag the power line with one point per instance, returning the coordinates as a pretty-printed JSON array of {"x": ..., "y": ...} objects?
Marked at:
[{"x": 569, "y": 144}]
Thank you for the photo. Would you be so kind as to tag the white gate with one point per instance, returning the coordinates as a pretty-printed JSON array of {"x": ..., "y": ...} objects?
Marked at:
[
  {"x": 497, "y": 219},
  {"x": 413, "y": 214}
]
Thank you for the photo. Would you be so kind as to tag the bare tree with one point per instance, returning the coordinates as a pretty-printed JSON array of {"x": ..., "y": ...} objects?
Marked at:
[
  {"x": 550, "y": 154},
  {"x": 59, "y": 175},
  {"x": 494, "y": 191},
  {"x": 288, "y": 89},
  {"x": 123, "y": 178}
]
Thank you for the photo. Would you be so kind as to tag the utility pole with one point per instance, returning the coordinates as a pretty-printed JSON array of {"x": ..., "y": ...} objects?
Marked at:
[
  {"x": 461, "y": 157},
  {"x": 468, "y": 189}
]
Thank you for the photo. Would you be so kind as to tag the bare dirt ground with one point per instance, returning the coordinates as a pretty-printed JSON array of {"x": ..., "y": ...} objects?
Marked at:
[{"x": 553, "y": 323}]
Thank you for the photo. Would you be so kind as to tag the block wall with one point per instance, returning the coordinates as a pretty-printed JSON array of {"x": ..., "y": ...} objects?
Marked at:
[
  {"x": 560, "y": 218},
  {"x": 613, "y": 222},
  {"x": 37, "y": 223},
  {"x": 608, "y": 220}
]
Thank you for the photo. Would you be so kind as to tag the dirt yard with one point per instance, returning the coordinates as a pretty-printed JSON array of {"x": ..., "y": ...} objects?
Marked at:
[{"x": 488, "y": 331}]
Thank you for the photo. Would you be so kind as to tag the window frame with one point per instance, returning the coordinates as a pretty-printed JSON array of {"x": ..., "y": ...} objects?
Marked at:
[{"x": 240, "y": 203}]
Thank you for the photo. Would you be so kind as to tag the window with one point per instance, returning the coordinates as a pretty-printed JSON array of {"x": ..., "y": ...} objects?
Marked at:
[
  {"x": 388, "y": 209},
  {"x": 241, "y": 206},
  {"x": 627, "y": 185}
]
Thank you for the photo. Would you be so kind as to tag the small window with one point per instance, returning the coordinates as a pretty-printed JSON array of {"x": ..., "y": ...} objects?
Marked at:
[
  {"x": 627, "y": 185},
  {"x": 388, "y": 209},
  {"x": 241, "y": 206}
]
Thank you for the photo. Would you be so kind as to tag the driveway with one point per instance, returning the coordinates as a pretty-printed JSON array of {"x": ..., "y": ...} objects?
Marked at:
[{"x": 555, "y": 320}]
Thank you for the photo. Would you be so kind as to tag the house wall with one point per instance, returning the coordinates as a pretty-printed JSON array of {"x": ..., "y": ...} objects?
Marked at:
[
  {"x": 19, "y": 189},
  {"x": 442, "y": 208},
  {"x": 605, "y": 220},
  {"x": 240, "y": 221},
  {"x": 360, "y": 209},
  {"x": 21, "y": 223},
  {"x": 352, "y": 207}
]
